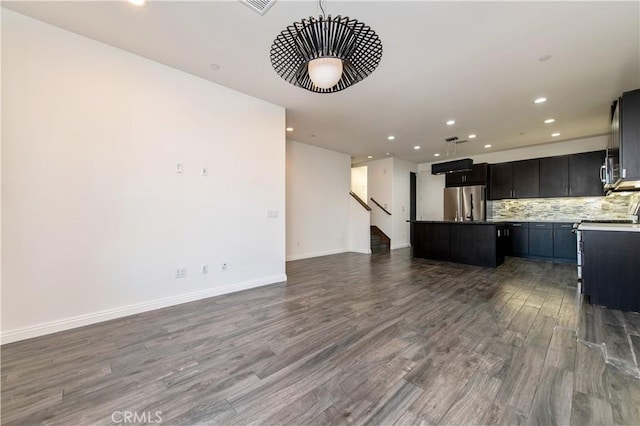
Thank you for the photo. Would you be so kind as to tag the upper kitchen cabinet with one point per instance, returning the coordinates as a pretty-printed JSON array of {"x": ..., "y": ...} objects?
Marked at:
[
  {"x": 630, "y": 136},
  {"x": 584, "y": 174},
  {"x": 476, "y": 176},
  {"x": 500, "y": 181},
  {"x": 526, "y": 179},
  {"x": 554, "y": 176},
  {"x": 517, "y": 179}
]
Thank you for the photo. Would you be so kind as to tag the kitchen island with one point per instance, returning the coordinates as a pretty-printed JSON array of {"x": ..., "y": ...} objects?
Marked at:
[
  {"x": 610, "y": 268},
  {"x": 471, "y": 243}
]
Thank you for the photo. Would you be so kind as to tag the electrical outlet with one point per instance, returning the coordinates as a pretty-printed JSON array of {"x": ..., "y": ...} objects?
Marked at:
[
  {"x": 272, "y": 214},
  {"x": 179, "y": 168},
  {"x": 223, "y": 267},
  {"x": 204, "y": 171},
  {"x": 181, "y": 272},
  {"x": 205, "y": 269}
]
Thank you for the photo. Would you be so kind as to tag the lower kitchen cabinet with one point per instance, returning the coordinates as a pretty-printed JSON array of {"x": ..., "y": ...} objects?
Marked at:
[
  {"x": 610, "y": 269},
  {"x": 472, "y": 243},
  {"x": 431, "y": 241},
  {"x": 541, "y": 239},
  {"x": 564, "y": 242},
  {"x": 519, "y": 236},
  {"x": 548, "y": 240}
]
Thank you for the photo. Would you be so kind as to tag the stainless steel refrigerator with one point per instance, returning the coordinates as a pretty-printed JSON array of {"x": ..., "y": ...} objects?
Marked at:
[{"x": 465, "y": 203}]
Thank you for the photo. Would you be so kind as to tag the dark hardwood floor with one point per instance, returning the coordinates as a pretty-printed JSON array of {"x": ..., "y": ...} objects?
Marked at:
[{"x": 350, "y": 339}]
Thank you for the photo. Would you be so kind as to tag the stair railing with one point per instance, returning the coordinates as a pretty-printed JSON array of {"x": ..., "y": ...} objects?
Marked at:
[
  {"x": 359, "y": 200},
  {"x": 383, "y": 209}
]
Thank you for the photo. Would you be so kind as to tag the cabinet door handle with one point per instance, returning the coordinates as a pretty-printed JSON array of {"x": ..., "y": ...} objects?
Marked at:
[
  {"x": 540, "y": 226},
  {"x": 516, "y": 224}
]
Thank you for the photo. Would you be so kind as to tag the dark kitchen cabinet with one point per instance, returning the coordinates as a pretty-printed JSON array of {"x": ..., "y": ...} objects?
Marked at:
[
  {"x": 630, "y": 135},
  {"x": 471, "y": 243},
  {"x": 500, "y": 181},
  {"x": 526, "y": 179},
  {"x": 474, "y": 245},
  {"x": 564, "y": 242},
  {"x": 541, "y": 239},
  {"x": 584, "y": 174},
  {"x": 517, "y": 179},
  {"x": 431, "y": 241},
  {"x": 519, "y": 236},
  {"x": 476, "y": 176},
  {"x": 610, "y": 269},
  {"x": 554, "y": 176}
]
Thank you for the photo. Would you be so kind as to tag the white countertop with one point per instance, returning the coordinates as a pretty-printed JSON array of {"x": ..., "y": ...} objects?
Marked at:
[{"x": 626, "y": 227}]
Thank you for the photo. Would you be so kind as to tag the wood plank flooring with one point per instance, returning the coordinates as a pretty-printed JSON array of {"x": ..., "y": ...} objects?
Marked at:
[{"x": 350, "y": 339}]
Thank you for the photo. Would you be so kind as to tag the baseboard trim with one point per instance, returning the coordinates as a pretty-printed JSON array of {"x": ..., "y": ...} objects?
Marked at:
[
  {"x": 399, "y": 246},
  {"x": 316, "y": 254},
  {"x": 123, "y": 311},
  {"x": 365, "y": 251}
]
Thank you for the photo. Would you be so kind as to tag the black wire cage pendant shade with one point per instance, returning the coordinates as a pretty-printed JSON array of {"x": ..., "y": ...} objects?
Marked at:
[{"x": 336, "y": 41}]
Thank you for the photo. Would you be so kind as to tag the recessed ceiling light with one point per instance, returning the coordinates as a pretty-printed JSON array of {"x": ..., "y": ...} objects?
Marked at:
[
  {"x": 555, "y": 135},
  {"x": 436, "y": 155},
  {"x": 370, "y": 156},
  {"x": 387, "y": 153},
  {"x": 391, "y": 137},
  {"x": 215, "y": 67},
  {"x": 289, "y": 129},
  {"x": 544, "y": 58},
  {"x": 472, "y": 136},
  {"x": 487, "y": 146},
  {"x": 416, "y": 147},
  {"x": 451, "y": 122},
  {"x": 549, "y": 120},
  {"x": 540, "y": 101},
  {"x": 138, "y": 2}
]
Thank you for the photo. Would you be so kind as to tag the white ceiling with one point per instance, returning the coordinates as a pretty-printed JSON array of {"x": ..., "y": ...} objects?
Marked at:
[{"x": 475, "y": 62}]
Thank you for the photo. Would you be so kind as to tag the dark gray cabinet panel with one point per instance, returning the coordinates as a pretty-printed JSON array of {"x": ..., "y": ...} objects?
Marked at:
[
  {"x": 630, "y": 135},
  {"x": 475, "y": 176},
  {"x": 519, "y": 235},
  {"x": 431, "y": 241},
  {"x": 541, "y": 239},
  {"x": 610, "y": 269},
  {"x": 584, "y": 174},
  {"x": 526, "y": 179},
  {"x": 479, "y": 244},
  {"x": 564, "y": 244},
  {"x": 554, "y": 176},
  {"x": 500, "y": 181},
  {"x": 473, "y": 244}
]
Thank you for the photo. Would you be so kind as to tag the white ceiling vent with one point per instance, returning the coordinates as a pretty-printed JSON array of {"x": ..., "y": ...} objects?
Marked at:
[{"x": 260, "y": 6}]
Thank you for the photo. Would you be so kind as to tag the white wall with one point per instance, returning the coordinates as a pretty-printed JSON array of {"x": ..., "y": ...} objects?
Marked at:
[
  {"x": 401, "y": 202},
  {"x": 96, "y": 220},
  {"x": 318, "y": 184},
  {"x": 430, "y": 198},
  {"x": 380, "y": 188},
  {"x": 359, "y": 228},
  {"x": 359, "y": 182}
]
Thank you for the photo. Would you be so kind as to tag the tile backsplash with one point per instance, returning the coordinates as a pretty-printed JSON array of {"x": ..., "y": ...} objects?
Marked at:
[{"x": 613, "y": 206}]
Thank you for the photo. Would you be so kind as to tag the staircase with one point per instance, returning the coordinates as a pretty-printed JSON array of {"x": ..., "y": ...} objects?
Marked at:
[{"x": 380, "y": 243}]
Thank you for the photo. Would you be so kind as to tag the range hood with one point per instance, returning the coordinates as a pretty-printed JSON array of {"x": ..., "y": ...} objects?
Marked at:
[{"x": 462, "y": 165}]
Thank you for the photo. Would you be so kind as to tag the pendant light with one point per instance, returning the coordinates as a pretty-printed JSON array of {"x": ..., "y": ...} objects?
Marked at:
[{"x": 326, "y": 54}]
